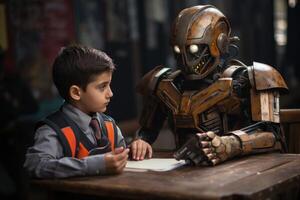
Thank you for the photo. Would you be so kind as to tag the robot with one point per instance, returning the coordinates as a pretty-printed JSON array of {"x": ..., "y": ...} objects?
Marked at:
[{"x": 217, "y": 107}]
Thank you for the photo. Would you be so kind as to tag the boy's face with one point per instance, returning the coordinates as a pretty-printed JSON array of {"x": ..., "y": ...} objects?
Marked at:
[{"x": 97, "y": 94}]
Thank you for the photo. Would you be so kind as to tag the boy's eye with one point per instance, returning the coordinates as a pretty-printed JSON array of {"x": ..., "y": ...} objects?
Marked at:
[{"x": 102, "y": 87}]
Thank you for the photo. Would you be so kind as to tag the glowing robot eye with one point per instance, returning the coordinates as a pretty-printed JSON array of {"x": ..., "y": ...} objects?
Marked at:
[
  {"x": 176, "y": 49},
  {"x": 193, "y": 48}
]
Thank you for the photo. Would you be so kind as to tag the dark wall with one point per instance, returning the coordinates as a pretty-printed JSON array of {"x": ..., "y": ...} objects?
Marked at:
[{"x": 134, "y": 33}]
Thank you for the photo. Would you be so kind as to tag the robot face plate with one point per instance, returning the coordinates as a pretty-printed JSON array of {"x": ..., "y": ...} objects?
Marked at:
[
  {"x": 196, "y": 58},
  {"x": 196, "y": 40}
]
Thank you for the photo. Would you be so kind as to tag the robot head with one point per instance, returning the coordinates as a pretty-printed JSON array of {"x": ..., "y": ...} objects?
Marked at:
[{"x": 200, "y": 36}]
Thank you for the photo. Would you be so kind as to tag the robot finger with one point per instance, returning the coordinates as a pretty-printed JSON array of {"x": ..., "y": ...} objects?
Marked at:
[
  {"x": 207, "y": 151},
  {"x": 215, "y": 161},
  {"x": 216, "y": 142},
  {"x": 202, "y": 136},
  {"x": 211, "y": 134},
  {"x": 205, "y": 144},
  {"x": 211, "y": 156}
]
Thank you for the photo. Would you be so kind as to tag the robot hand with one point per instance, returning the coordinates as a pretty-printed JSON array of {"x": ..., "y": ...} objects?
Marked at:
[
  {"x": 218, "y": 149},
  {"x": 191, "y": 152}
]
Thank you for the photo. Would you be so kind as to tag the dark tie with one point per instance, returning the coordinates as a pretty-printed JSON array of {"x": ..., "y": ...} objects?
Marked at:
[
  {"x": 96, "y": 128},
  {"x": 102, "y": 141}
]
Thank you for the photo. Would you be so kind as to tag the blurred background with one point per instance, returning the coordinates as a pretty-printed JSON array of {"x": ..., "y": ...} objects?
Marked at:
[{"x": 135, "y": 34}]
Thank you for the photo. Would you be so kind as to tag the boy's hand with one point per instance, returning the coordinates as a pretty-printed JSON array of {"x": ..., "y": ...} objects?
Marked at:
[
  {"x": 139, "y": 149},
  {"x": 116, "y": 161}
]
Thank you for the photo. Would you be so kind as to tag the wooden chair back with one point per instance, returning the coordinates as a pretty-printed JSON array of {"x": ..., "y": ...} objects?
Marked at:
[{"x": 290, "y": 120}]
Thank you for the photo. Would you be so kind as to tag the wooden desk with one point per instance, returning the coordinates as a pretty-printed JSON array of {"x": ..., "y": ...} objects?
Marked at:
[{"x": 254, "y": 177}]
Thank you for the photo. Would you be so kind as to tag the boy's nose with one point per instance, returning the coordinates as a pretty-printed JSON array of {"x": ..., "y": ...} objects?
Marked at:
[{"x": 110, "y": 93}]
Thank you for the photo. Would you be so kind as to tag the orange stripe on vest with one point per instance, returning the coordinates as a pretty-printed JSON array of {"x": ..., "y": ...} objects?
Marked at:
[
  {"x": 83, "y": 152},
  {"x": 110, "y": 134},
  {"x": 69, "y": 134}
]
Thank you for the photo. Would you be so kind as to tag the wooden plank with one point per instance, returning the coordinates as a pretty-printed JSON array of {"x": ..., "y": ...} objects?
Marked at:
[
  {"x": 290, "y": 115},
  {"x": 293, "y": 138},
  {"x": 248, "y": 177},
  {"x": 290, "y": 119},
  {"x": 277, "y": 179}
]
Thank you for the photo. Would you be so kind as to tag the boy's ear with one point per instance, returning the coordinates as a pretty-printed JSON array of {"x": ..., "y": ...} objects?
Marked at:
[{"x": 75, "y": 92}]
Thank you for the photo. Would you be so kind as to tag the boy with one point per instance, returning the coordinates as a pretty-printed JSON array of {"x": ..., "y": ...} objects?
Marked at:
[{"x": 79, "y": 139}]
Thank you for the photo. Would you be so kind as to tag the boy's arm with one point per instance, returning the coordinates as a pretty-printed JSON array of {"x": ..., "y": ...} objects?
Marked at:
[
  {"x": 46, "y": 159},
  {"x": 120, "y": 141},
  {"x": 139, "y": 148}
]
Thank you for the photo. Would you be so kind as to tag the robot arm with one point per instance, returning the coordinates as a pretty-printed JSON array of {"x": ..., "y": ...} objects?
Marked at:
[
  {"x": 262, "y": 135},
  {"x": 256, "y": 138},
  {"x": 153, "y": 113},
  {"x": 265, "y": 135},
  {"x": 259, "y": 137},
  {"x": 151, "y": 120},
  {"x": 262, "y": 111}
]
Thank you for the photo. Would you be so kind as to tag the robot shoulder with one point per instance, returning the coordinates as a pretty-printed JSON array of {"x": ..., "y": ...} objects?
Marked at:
[
  {"x": 149, "y": 81},
  {"x": 232, "y": 70},
  {"x": 265, "y": 77}
]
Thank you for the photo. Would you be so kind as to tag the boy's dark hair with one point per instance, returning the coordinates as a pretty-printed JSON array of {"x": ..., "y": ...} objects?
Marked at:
[{"x": 77, "y": 65}]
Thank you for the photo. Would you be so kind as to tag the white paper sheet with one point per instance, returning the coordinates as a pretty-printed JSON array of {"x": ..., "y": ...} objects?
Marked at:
[{"x": 154, "y": 164}]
